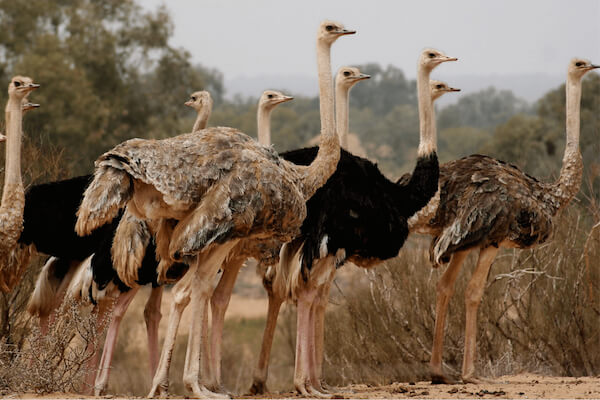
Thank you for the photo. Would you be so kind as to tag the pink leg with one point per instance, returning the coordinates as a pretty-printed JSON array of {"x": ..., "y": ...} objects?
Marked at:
[
  {"x": 473, "y": 295},
  {"x": 152, "y": 317},
  {"x": 320, "y": 306},
  {"x": 219, "y": 303},
  {"x": 445, "y": 290},
  {"x": 181, "y": 297},
  {"x": 303, "y": 351},
  {"x": 259, "y": 385},
  {"x": 121, "y": 305},
  {"x": 208, "y": 266}
]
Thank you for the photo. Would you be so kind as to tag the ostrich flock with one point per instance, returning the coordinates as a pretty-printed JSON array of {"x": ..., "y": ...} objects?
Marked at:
[{"x": 179, "y": 210}]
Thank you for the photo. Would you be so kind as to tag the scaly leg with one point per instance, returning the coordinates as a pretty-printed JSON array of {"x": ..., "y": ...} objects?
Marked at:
[
  {"x": 259, "y": 385},
  {"x": 320, "y": 307},
  {"x": 121, "y": 305},
  {"x": 473, "y": 295},
  {"x": 219, "y": 303},
  {"x": 445, "y": 290},
  {"x": 303, "y": 351},
  {"x": 181, "y": 297},
  {"x": 152, "y": 317},
  {"x": 208, "y": 265}
]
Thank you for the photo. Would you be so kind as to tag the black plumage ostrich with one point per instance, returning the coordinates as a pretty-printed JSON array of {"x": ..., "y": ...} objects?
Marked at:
[{"x": 360, "y": 216}]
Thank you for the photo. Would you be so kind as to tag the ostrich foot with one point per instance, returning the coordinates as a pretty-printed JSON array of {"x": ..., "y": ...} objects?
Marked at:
[
  {"x": 441, "y": 379},
  {"x": 160, "y": 390},
  {"x": 201, "y": 391},
  {"x": 258, "y": 387},
  {"x": 326, "y": 388},
  {"x": 476, "y": 379}
]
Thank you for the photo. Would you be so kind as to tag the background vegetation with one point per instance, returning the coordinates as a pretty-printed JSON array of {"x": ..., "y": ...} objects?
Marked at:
[{"x": 109, "y": 74}]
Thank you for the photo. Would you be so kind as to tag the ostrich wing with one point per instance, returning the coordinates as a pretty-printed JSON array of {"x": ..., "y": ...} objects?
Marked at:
[{"x": 484, "y": 202}]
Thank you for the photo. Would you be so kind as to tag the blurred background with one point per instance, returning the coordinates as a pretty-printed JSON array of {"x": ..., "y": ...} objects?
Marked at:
[{"x": 112, "y": 70}]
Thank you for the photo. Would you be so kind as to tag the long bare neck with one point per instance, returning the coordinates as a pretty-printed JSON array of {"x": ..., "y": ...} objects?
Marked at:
[
  {"x": 569, "y": 181},
  {"x": 427, "y": 132},
  {"x": 202, "y": 118},
  {"x": 324, "y": 165},
  {"x": 263, "y": 120},
  {"x": 13, "y": 196},
  {"x": 342, "y": 105},
  {"x": 14, "y": 115}
]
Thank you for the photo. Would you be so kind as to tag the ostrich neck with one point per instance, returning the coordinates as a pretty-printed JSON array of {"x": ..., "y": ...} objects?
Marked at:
[
  {"x": 201, "y": 119},
  {"x": 14, "y": 115},
  {"x": 427, "y": 132},
  {"x": 263, "y": 121},
  {"x": 316, "y": 174},
  {"x": 341, "y": 113},
  {"x": 13, "y": 197},
  {"x": 569, "y": 181}
]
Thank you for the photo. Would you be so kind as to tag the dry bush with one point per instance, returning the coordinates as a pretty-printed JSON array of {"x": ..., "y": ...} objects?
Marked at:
[
  {"x": 539, "y": 313},
  {"x": 55, "y": 362}
]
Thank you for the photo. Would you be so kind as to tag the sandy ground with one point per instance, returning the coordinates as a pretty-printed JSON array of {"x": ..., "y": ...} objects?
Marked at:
[{"x": 523, "y": 386}]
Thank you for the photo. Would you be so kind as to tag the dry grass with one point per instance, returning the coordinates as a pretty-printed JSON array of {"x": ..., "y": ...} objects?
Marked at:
[
  {"x": 539, "y": 313},
  {"x": 55, "y": 362}
]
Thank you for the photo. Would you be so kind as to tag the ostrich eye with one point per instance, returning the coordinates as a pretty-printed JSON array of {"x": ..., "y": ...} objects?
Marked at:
[
  {"x": 329, "y": 28},
  {"x": 270, "y": 96},
  {"x": 579, "y": 64},
  {"x": 17, "y": 83},
  {"x": 438, "y": 86},
  {"x": 193, "y": 98},
  {"x": 346, "y": 73},
  {"x": 431, "y": 55}
]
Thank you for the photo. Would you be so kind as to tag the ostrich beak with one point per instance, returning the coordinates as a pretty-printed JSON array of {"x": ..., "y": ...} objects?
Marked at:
[
  {"x": 2, "y": 138},
  {"x": 30, "y": 106},
  {"x": 345, "y": 32},
  {"x": 188, "y": 103},
  {"x": 450, "y": 59},
  {"x": 593, "y": 66},
  {"x": 362, "y": 77},
  {"x": 286, "y": 98},
  {"x": 451, "y": 89}
]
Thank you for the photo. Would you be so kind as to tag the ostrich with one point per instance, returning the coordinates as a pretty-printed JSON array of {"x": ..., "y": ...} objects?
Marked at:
[
  {"x": 268, "y": 100},
  {"x": 484, "y": 204},
  {"x": 201, "y": 102},
  {"x": 368, "y": 229},
  {"x": 202, "y": 193},
  {"x": 13, "y": 196},
  {"x": 82, "y": 266}
]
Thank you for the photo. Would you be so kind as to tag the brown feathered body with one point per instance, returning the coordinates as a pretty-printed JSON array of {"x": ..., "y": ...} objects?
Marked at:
[
  {"x": 218, "y": 183},
  {"x": 486, "y": 202}
]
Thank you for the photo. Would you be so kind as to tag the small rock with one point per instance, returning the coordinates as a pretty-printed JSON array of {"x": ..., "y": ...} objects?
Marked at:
[
  {"x": 453, "y": 390},
  {"x": 411, "y": 383}
]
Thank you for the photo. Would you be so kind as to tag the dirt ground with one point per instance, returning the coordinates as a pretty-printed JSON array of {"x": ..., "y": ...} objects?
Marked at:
[{"x": 524, "y": 386}]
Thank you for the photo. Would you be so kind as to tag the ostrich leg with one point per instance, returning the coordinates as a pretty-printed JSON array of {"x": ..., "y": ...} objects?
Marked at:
[
  {"x": 445, "y": 289},
  {"x": 119, "y": 310},
  {"x": 219, "y": 303},
  {"x": 473, "y": 295},
  {"x": 259, "y": 384},
  {"x": 152, "y": 317}
]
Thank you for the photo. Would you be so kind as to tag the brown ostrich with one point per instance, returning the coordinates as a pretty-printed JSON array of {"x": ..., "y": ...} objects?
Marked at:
[
  {"x": 484, "y": 204},
  {"x": 201, "y": 193},
  {"x": 202, "y": 102}
]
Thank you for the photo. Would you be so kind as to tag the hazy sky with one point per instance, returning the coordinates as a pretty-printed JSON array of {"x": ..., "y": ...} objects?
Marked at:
[{"x": 276, "y": 37}]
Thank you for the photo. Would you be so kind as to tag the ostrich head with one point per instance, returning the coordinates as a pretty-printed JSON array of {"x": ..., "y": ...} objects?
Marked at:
[
  {"x": 349, "y": 76},
  {"x": 431, "y": 58},
  {"x": 21, "y": 86},
  {"x": 438, "y": 88},
  {"x": 26, "y": 105},
  {"x": 270, "y": 98},
  {"x": 578, "y": 67},
  {"x": 199, "y": 100},
  {"x": 329, "y": 31}
]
